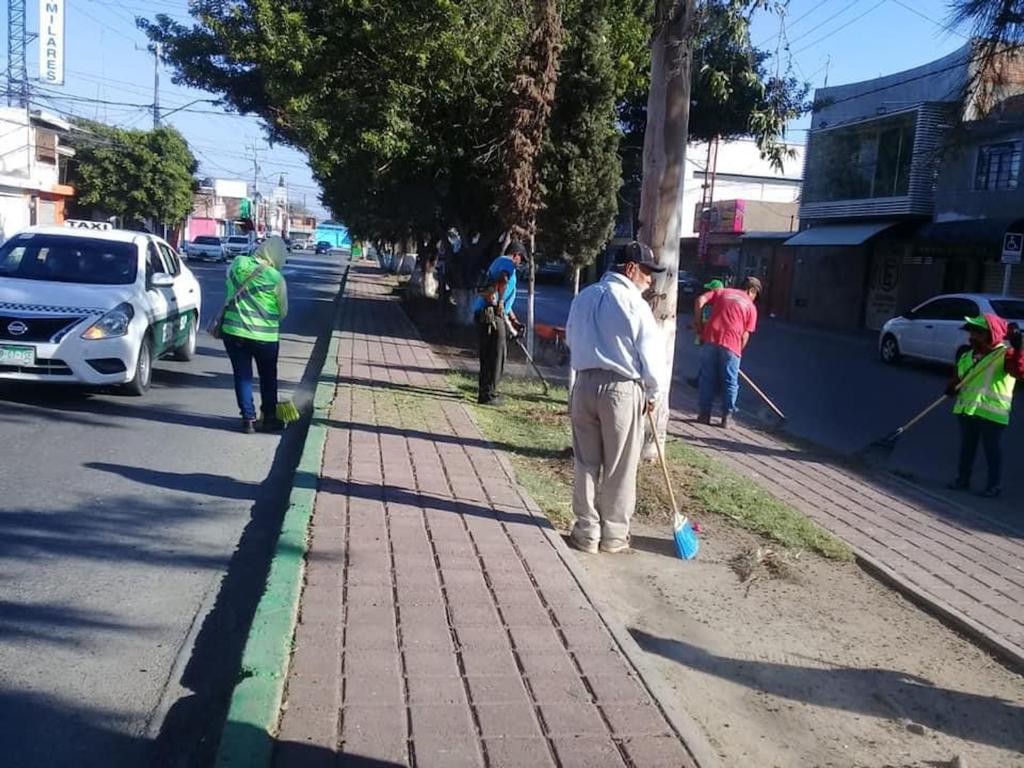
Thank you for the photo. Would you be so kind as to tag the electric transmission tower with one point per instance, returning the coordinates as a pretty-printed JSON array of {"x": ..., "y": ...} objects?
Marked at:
[{"x": 17, "y": 52}]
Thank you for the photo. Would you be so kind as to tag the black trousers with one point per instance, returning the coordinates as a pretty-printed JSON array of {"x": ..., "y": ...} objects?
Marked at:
[
  {"x": 493, "y": 346},
  {"x": 974, "y": 430}
]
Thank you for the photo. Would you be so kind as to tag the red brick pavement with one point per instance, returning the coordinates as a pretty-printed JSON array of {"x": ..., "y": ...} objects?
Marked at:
[
  {"x": 439, "y": 624},
  {"x": 966, "y": 564}
]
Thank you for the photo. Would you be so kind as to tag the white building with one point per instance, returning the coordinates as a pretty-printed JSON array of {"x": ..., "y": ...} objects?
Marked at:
[
  {"x": 32, "y": 162},
  {"x": 740, "y": 173}
]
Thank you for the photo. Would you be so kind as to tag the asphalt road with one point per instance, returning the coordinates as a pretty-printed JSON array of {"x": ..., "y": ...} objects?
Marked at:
[
  {"x": 836, "y": 393},
  {"x": 134, "y": 536}
]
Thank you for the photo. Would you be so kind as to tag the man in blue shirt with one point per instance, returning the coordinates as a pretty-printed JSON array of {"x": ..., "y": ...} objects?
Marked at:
[{"x": 490, "y": 310}]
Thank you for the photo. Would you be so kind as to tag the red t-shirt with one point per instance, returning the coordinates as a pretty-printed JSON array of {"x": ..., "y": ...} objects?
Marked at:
[{"x": 732, "y": 314}]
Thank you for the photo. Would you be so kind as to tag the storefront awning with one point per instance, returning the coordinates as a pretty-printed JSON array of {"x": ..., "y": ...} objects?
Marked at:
[
  {"x": 840, "y": 234},
  {"x": 968, "y": 231}
]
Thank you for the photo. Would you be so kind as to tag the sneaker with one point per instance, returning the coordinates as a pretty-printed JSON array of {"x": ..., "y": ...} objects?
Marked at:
[
  {"x": 991, "y": 493},
  {"x": 271, "y": 425},
  {"x": 248, "y": 426},
  {"x": 958, "y": 485},
  {"x": 590, "y": 547},
  {"x": 614, "y": 547},
  {"x": 704, "y": 418}
]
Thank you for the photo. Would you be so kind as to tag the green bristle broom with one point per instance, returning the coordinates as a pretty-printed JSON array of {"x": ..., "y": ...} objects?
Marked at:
[{"x": 287, "y": 412}]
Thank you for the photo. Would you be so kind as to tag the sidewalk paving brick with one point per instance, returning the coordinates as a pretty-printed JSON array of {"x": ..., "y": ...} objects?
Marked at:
[
  {"x": 968, "y": 564},
  {"x": 439, "y": 625}
]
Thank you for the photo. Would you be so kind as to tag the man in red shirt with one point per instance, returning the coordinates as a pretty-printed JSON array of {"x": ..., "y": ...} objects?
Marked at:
[{"x": 723, "y": 338}]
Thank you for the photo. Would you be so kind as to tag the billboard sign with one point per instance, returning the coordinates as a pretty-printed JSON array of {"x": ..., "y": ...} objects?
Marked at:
[{"x": 51, "y": 41}]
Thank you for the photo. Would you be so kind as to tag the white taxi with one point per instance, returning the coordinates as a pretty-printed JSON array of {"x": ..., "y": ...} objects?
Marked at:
[{"x": 93, "y": 307}]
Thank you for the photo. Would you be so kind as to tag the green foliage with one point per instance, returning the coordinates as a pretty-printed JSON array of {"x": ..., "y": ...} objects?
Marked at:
[
  {"x": 581, "y": 169},
  {"x": 136, "y": 175}
]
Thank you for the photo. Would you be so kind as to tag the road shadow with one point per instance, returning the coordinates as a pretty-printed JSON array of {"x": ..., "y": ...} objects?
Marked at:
[{"x": 884, "y": 693}]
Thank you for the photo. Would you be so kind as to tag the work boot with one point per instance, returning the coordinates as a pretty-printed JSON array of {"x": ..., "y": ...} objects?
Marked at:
[
  {"x": 992, "y": 492},
  {"x": 724, "y": 423},
  {"x": 248, "y": 426},
  {"x": 704, "y": 418},
  {"x": 590, "y": 547},
  {"x": 271, "y": 424},
  {"x": 614, "y": 547}
]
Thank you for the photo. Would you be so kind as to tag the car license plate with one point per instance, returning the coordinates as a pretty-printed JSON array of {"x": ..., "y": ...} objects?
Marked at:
[{"x": 11, "y": 355}]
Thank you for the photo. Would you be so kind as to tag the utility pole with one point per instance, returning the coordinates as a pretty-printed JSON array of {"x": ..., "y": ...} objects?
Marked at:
[{"x": 158, "y": 49}]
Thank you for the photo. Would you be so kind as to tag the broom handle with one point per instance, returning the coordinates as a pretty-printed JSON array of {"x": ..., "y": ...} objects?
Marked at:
[
  {"x": 764, "y": 397},
  {"x": 972, "y": 374},
  {"x": 661, "y": 458}
]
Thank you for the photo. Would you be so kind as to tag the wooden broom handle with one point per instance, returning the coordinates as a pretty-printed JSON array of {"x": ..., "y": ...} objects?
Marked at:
[{"x": 661, "y": 458}]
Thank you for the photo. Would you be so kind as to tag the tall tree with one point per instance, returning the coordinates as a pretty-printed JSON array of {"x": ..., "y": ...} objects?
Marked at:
[
  {"x": 581, "y": 170},
  {"x": 678, "y": 29},
  {"x": 138, "y": 176}
]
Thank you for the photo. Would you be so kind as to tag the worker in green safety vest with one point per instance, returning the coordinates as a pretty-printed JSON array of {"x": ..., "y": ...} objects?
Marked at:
[
  {"x": 986, "y": 377},
  {"x": 257, "y": 303}
]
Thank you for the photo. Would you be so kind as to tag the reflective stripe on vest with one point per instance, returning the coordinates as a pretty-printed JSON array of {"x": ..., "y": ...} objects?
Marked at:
[
  {"x": 256, "y": 314},
  {"x": 990, "y": 394}
]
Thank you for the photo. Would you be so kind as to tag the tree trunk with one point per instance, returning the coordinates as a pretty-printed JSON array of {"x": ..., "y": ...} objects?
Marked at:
[
  {"x": 664, "y": 159},
  {"x": 575, "y": 293}
]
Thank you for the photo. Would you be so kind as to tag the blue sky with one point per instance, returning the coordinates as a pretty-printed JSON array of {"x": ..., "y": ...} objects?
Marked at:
[{"x": 849, "y": 39}]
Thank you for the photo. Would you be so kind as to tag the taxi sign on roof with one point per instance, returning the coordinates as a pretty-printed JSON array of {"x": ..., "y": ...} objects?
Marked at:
[{"x": 82, "y": 224}]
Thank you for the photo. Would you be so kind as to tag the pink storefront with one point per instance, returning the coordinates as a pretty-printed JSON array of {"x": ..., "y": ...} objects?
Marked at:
[{"x": 197, "y": 227}]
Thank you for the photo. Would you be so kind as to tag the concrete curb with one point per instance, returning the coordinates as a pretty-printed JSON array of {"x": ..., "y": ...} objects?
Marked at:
[{"x": 246, "y": 740}]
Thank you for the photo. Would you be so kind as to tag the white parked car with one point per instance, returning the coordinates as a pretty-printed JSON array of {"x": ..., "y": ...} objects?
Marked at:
[
  {"x": 933, "y": 330},
  {"x": 237, "y": 245},
  {"x": 206, "y": 247},
  {"x": 93, "y": 307}
]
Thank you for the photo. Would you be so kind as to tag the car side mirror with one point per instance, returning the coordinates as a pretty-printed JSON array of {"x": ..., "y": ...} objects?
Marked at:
[
  {"x": 161, "y": 280},
  {"x": 907, "y": 315}
]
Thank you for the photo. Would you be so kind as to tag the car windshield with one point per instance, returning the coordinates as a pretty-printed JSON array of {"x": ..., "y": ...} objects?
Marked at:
[
  {"x": 238, "y": 240},
  {"x": 68, "y": 259},
  {"x": 207, "y": 241},
  {"x": 1010, "y": 309}
]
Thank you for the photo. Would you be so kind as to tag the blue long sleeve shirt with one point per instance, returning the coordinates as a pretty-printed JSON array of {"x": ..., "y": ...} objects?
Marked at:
[{"x": 499, "y": 265}]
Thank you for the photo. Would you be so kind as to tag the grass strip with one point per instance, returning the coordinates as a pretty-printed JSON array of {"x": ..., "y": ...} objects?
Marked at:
[{"x": 534, "y": 429}]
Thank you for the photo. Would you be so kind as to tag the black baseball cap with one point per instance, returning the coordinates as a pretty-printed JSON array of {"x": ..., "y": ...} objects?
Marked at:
[{"x": 639, "y": 254}]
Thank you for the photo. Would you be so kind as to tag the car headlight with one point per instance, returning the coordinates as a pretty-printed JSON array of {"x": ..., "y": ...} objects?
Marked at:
[{"x": 113, "y": 324}]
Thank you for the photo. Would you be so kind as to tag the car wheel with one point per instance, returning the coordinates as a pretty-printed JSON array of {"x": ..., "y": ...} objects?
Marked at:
[
  {"x": 140, "y": 381},
  {"x": 890, "y": 350},
  {"x": 187, "y": 351}
]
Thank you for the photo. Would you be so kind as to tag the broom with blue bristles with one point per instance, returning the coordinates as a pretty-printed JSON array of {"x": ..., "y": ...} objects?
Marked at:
[{"x": 687, "y": 543}]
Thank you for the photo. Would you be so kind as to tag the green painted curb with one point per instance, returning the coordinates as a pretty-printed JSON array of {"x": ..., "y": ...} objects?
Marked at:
[{"x": 246, "y": 739}]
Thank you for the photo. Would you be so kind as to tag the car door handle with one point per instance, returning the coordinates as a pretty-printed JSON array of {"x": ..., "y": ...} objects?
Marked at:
[{"x": 929, "y": 327}]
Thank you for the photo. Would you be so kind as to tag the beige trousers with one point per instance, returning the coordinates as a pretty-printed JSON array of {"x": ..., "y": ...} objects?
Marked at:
[{"x": 607, "y": 440}]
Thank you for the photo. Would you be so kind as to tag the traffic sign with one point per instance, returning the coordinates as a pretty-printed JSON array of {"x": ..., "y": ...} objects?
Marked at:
[{"x": 1013, "y": 243}]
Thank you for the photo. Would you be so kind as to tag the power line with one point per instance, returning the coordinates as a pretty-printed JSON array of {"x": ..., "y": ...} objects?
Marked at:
[
  {"x": 796, "y": 21},
  {"x": 926, "y": 17},
  {"x": 840, "y": 28},
  {"x": 834, "y": 16}
]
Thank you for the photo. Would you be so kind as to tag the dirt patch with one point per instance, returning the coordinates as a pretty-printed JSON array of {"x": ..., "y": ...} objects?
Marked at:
[
  {"x": 816, "y": 665},
  {"x": 786, "y": 659}
]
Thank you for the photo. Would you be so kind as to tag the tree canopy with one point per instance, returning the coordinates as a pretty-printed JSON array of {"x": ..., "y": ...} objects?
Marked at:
[
  {"x": 403, "y": 108},
  {"x": 135, "y": 175}
]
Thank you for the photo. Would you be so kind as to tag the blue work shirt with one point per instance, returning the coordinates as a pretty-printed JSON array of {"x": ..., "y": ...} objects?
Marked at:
[{"x": 499, "y": 265}]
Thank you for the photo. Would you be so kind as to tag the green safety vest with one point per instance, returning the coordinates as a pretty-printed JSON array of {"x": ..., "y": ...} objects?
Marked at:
[
  {"x": 257, "y": 313},
  {"x": 988, "y": 394}
]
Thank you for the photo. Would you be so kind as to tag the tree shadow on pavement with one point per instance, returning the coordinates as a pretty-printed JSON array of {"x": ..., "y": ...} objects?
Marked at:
[
  {"x": 883, "y": 693},
  {"x": 409, "y": 498},
  {"x": 437, "y": 437},
  {"x": 191, "y": 482}
]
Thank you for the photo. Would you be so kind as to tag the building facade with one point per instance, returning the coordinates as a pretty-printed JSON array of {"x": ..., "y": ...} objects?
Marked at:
[{"x": 32, "y": 170}]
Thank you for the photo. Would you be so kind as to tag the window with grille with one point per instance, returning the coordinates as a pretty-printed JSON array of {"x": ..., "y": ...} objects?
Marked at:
[{"x": 998, "y": 166}]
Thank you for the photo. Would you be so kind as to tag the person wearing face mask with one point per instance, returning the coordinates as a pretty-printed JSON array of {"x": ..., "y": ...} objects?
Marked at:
[
  {"x": 257, "y": 303},
  {"x": 986, "y": 376},
  {"x": 618, "y": 354},
  {"x": 724, "y": 336}
]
